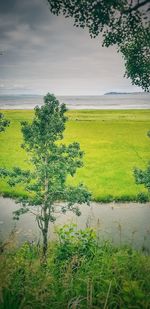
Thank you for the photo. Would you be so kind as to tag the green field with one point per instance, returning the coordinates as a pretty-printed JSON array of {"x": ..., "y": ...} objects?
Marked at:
[{"x": 114, "y": 143}]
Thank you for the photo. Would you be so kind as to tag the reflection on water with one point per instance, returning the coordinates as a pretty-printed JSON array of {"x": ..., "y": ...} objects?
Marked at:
[{"x": 120, "y": 223}]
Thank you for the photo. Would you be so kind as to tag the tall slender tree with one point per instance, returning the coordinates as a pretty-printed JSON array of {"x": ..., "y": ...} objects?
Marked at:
[{"x": 52, "y": 163}]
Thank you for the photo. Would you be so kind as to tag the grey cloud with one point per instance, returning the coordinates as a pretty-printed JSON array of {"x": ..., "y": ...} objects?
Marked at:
[{"x": 47, "y": 51}]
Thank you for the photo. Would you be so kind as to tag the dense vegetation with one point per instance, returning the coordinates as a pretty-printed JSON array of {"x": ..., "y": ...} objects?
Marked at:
[
  {"x": 114, "y": 142},
  {"x": 80, "y": 273}
]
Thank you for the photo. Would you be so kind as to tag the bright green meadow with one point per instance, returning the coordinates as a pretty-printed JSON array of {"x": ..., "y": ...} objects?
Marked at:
[{"x": 114, "y": 143}]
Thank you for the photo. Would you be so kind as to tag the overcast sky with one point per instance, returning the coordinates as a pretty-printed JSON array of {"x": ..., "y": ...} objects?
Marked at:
[{"x": 44, "y": 53}]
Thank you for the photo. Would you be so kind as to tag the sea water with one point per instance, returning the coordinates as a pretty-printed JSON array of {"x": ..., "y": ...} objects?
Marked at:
[{"x": 112, "y": 101}]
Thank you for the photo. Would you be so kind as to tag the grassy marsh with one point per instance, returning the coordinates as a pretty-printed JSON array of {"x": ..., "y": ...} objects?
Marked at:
[{"x": 114, "y": 143}]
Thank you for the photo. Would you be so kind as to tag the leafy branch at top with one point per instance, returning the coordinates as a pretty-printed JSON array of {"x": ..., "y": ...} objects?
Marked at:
[{"x": 123, "y": 23}]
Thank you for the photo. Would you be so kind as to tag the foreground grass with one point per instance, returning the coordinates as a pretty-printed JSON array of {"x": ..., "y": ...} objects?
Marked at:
[
  {"x": 79, "y": 274},
  {"x": 114, "y": 143}
]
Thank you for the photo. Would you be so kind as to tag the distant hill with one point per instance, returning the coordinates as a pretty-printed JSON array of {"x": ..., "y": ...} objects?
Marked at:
[{"x": 118, "y": 93}]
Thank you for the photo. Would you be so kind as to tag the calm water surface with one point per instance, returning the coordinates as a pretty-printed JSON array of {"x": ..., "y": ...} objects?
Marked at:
[
  {"x": 120, "y": 223},
  {"x": 120, "y": 101}
]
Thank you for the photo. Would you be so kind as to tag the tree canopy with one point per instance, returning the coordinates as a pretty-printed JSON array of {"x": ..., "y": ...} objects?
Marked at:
[
  {"x": 45, "y": 183},
  {"x": 124, "y": 23}
]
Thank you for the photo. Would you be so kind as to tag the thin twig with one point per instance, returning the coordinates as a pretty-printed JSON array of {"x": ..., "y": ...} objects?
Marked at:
[{"x": 137, "y": 6}]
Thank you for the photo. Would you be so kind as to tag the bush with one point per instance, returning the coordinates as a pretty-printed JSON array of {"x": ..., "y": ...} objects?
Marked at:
[
  {"x": 74, "y": 246},
  {"x": 142, "y": 197}
]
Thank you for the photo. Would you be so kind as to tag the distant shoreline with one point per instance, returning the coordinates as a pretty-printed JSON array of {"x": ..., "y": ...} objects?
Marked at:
[
  {"x": 125, "y": 93},
  {"x": 103, "y": 102}
]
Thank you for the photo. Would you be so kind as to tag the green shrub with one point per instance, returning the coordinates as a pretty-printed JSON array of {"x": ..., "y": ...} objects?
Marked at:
[
  {"x": 74, "y": 246},
  {"x": 142, "y": 197}
]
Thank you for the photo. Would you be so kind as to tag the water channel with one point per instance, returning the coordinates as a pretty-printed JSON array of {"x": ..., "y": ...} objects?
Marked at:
[{"x": 121, "y": 223}]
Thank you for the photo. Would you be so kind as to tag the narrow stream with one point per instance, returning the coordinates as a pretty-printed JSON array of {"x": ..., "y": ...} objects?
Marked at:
[{"x": 121, "y": 223}]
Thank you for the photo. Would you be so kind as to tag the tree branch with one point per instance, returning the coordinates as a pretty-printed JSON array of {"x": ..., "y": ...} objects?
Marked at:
[
  {"x": 40, "y": 225},
  {"x": 137, "y": 6},
  {"x": 33, "y": 213}
]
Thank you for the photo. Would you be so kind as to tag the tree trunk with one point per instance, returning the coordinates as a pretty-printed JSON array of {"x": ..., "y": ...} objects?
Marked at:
[
  {"x": 45, "y": 232},
  {"x": 46, "y": 218},
  {"x": 45, "y": 236}
]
